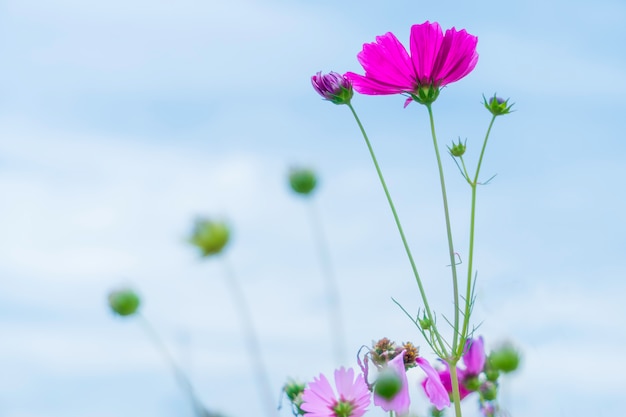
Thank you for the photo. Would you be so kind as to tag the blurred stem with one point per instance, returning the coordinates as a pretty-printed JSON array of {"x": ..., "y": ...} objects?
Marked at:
[
  {"x": 456, "y": 395},
  {"x": 334, "y": 314},
  {"x": 252, "y": 342},
  {"x": 181, "y": 377},
  {"x": 441, "y": 351},
  {"x": 470, "y": 261},
  {"x": 455, "y": 286}
]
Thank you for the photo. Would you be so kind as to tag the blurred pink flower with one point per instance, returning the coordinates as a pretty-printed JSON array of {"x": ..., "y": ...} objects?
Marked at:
[
  {"x": 436, "y": 60},
  {"x": 474, "y": 357},
  {"x": 433, "y": 386},
  {"x": 446, "y": 381},
  {"x": 351, "y": 400},
  {"x": 401, "y": 401}
]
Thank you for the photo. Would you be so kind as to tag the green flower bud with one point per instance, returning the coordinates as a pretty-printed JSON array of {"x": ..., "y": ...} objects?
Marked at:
[
  {"x": 124, "y": 301},
  {"x": 457, "y": 149},
  {"x": 506, "y": 358},
  {"x": 492, "y": 374},
  {"x": 210, "y": 236},
  {"x": 472, "y": 383},
  {"x": 388, "y": 384},
  {"x": 488, "y": 391},
  {"x": 293, "y": 389},
  {"x": 497, "y": 106},
  {"x": 302, "y": 180},
  {"x": 436, "y": 413},
  {"x": 425, "y": 322}
]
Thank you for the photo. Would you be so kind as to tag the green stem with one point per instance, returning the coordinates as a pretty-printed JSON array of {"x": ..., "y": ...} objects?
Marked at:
[
  {"x": 180, "y": 376},
  {"x": 335, "y": 316},
  {"x": 470, "y": 261},
  {"x": 252, "y": 343},
  {"x": 456, "y": 394},
  {"x": 455, "y": 287},
  {"x": 443, "y": 351}
]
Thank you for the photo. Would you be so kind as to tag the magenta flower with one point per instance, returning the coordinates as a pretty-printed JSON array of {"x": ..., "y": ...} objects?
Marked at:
[
  {"x": 474, "y": 357},
  {"x": 446, "y": 381},
  {"x": 436, "y": 60},
  {"x": 401, "y": 401},
  {"x": 351, "y": 399},
  {"x": 433, "y": 386},
  {"x": 333, "y": 87}
]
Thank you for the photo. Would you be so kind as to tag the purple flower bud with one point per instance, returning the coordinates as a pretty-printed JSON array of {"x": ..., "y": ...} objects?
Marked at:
[
  {"x": 497, "y": 106},
  {"x": 333, "y": 87}
]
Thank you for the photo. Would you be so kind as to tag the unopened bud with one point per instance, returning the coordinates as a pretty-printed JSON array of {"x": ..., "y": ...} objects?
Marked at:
[
  {"x": 124, "y": 301},
  {"x": 497, "y": 106},
  {"x": 302, "y": 180},
  {"x": 457, "y": 149},
  {"x": 472, "y": 383},
  {"x": 388, "y": 384},
  {"x": 210, "y": 236},
  {"x": 488, "y": 391},
  {"x": 506, "y": 358}
]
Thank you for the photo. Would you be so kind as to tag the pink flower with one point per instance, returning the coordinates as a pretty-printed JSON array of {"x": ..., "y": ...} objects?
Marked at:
[
  {"x": 474, "y": 357},
  {"x": 435, "y": 390},
  {"x": 351, "y": 400},
  {"x": 401, "y": 401},
  {"x": 436, "y": 60},
  {"x": 446, "y": 381}
]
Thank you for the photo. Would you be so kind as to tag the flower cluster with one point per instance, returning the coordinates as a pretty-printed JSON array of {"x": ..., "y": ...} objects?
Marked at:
[{"x": 480, "y": 373}]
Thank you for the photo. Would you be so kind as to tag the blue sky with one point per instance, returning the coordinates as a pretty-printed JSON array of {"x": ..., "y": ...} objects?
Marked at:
[{"x": 120, "y": 122}]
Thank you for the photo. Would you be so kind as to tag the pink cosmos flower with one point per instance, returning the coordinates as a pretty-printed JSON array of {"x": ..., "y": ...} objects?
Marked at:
[
  {"x": 436, "y": 59},
  {"x": 446, "y": 381},
  {"x": 401, "y": 401},
  {"x": 433, "y": 386},
  {"x": 474, "y": 357},
  {"x": 351, "y": 399},
  {"x": 474, "y": 360}
]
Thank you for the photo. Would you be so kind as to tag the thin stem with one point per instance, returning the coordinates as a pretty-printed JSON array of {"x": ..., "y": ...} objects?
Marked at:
[
  {"x": 455, "y": 287},
  {"x": 334, "y": 314},
  {"x": 181, "y": 377},
  {"x": 472, "y": 234},
  {"x": 443, "y": 351},
  {"x": 252, "y": 343},
  {"x": 456, "y": 395}
]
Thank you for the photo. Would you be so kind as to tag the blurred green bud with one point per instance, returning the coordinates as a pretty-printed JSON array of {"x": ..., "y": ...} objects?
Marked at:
[
  {"x": 210, "y": 236},
  {"x": 425, "y": 322},
  {"x": 497, "y": 106},
  {"x": 436, "y": 413},
  {"x": 124, "y": 301},
  {"x": 388, "y": 384},
  {"x": 472, "y": 383},
  {"x": 457, "y": 149},
  {"x": 302, "y": 180},
  {"x": 294, "y": 391},
  {"x": 488, "y": 391},
  {"x": 506, "y": 358},
  {"x": 293, "y": 388},
  {"x": 491, "y": 374}
]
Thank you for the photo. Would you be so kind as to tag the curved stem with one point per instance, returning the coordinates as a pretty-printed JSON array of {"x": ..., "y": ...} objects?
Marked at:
[
  {"x": 252, "y": 343},
  {"x": 181, "y": 377},
  {"x": 443, "y": 351},
  {"x": 455, "y": 287},
  {"x": 334, "y": 314},
  {"x": 470, "y": 261}
]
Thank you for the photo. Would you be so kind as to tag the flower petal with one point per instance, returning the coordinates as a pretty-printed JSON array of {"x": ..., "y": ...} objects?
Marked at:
[
  {"x": 433, "y": 387},
  {"x": 426, "y": 41}
]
